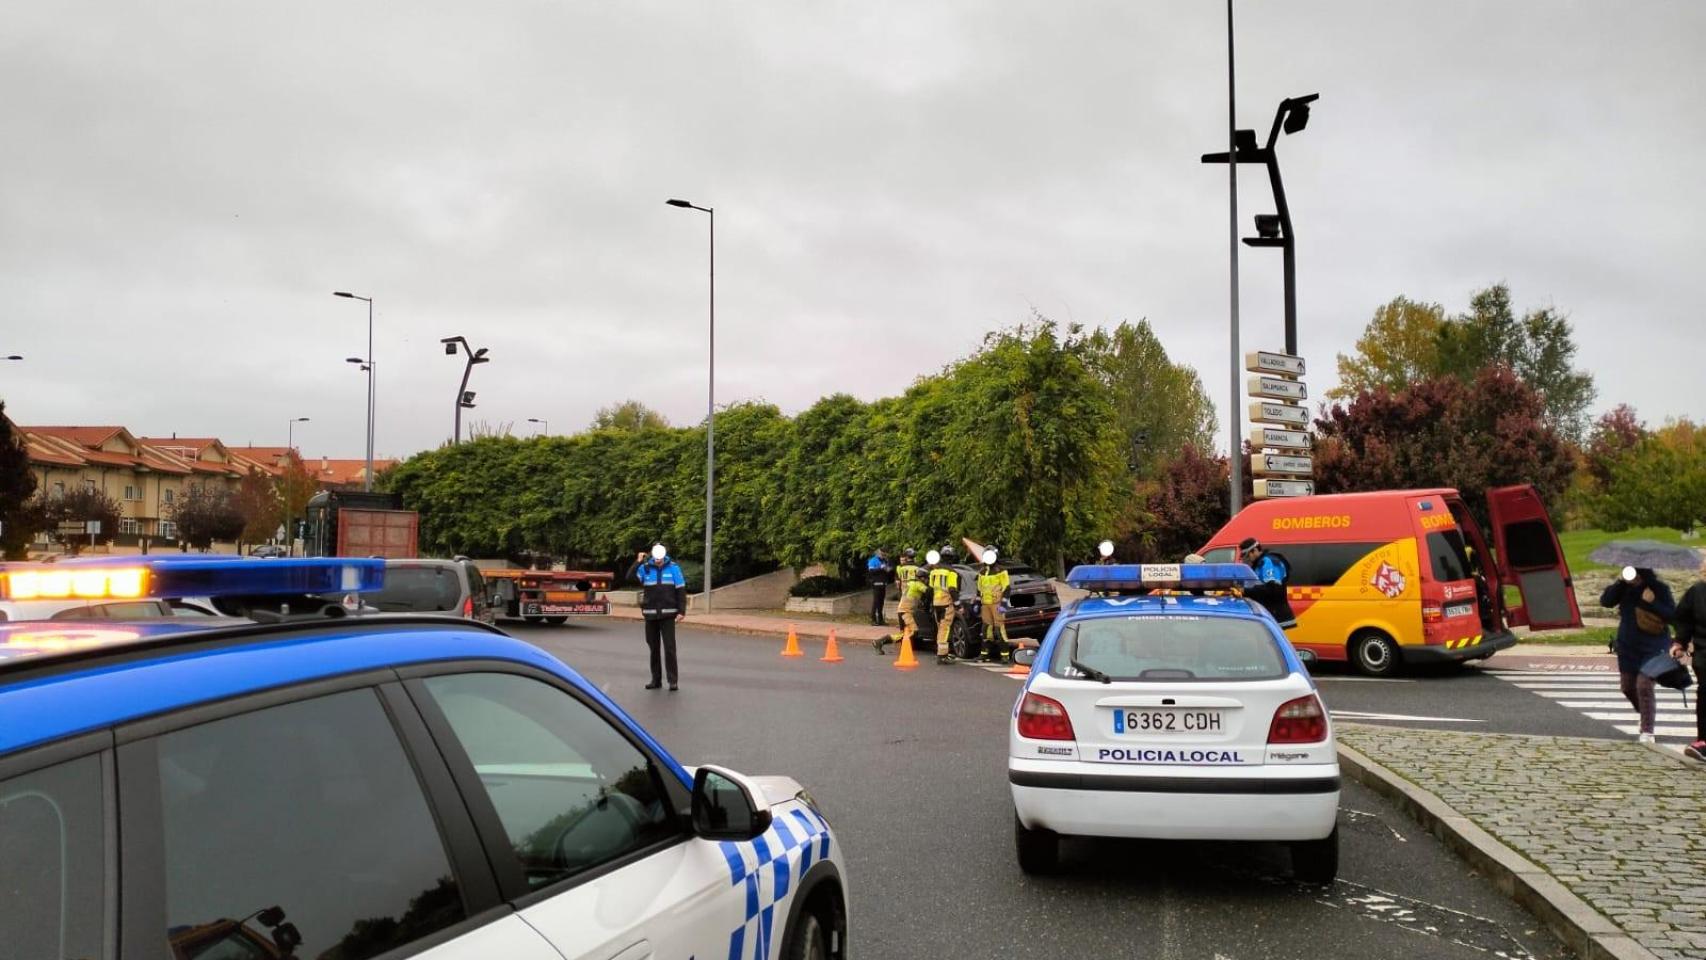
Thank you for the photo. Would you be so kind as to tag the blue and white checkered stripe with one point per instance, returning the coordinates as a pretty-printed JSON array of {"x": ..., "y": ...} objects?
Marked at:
[{"x": 768, "y": 867}]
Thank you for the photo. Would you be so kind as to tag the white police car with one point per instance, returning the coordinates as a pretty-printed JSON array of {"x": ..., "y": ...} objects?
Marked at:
[
  {"x": 303, "y": 783},
  {"x": 1174, "y": 716}
]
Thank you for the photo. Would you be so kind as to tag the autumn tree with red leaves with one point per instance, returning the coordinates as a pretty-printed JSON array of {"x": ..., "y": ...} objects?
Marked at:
[{"x": 1444, "y": 432}]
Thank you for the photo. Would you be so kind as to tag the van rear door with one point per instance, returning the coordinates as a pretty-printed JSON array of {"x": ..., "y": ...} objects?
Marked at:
[{"x": 1531, "y": 560}]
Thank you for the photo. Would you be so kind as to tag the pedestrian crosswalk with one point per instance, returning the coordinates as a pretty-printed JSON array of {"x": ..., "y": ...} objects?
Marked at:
[{"x": 1595, "y": 694}]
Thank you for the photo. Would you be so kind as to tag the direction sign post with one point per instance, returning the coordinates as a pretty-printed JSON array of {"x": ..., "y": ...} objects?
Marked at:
[{"x": 1279, "y": 460}]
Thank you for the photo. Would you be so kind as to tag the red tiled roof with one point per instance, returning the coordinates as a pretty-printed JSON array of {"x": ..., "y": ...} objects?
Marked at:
[
  {"x": 344, "y": 472},
  {"x": 82, "y": 436}
]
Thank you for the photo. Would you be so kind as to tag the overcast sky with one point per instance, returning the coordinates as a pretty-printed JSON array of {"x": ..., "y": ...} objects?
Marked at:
[{"x": 184, "y": 184}]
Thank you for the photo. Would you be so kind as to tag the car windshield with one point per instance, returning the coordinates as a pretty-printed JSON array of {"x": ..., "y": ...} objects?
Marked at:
[{"x": 1169, "y": 647}]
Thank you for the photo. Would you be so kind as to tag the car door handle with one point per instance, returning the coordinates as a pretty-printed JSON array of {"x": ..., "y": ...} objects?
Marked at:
[{"x": 638, "y": 951}]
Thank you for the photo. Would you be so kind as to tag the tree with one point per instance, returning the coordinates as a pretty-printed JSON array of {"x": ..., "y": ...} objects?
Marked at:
[
  {"x": 17, "y": 486},
  {"x": 1539, "y": 348},
  {"x": 1161, "y": 406},
  {"x": 1178, "y": 511},
  {"x": 294, "y": 486},
  {"x": 1615, "y": 435},
  {"x": 206, "y": 514},
  {"x": 628, "y": 415},
  {"x": 84, "y": 505},
  {"x": 1444, "y": 432},
  {"x": 1661, "y": 481},
  {"x": 1399, "y": 347},
  {"x": 258, "y": 503}
]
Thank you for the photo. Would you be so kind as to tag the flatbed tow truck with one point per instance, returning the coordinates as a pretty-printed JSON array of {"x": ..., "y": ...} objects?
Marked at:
[{"x": 549, "y": 596}]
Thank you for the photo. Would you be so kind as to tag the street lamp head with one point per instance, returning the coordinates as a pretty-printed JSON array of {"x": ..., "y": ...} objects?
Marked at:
[
  {"x": 534, "y": 420},
  {"x": 354, "y": 360},
  {"x": 480, "y": 355},
  {"x": 679, "y": 203},
  {"x": 14, "y": 357},
  {"x": 300, "y": 420},
  {"x": 1297, "y": 118},
  {"x": 1268, "y": 225},
  {"x": 1245, "y": 140}
]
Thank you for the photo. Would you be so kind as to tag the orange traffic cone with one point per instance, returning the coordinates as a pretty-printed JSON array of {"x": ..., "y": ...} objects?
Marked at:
[
  {"x": 793, "y": 647},
  {"x": 906, "y": 660},
  {"x": 831, "y": 654},
  {"x": 1018, "y": 669}
]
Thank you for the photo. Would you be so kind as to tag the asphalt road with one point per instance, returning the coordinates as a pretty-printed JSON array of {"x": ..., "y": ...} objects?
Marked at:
[{"x": 910, "y": 769}]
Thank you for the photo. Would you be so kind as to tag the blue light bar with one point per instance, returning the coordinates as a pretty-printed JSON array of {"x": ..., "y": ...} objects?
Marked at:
[
  {"x": 1137, "y": 578},
  {"x": 185, "y": 575}
]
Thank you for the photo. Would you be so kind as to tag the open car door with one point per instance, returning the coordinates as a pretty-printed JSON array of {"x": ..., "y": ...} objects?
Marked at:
[{"x": 1530, "y": 559}]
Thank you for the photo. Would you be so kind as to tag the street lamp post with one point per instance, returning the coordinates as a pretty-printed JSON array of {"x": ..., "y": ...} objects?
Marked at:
[
  {"x": 544, "y": 425},
  {"x": 711, "y": 393},
  {"x": 464, "y": 396},
  {"x": 367, "y": 480},
  {"x": 289, "y": 514}
]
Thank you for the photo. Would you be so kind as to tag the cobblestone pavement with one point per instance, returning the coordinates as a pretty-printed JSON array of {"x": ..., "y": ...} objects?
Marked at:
[{"x": 1616, "y": 822}]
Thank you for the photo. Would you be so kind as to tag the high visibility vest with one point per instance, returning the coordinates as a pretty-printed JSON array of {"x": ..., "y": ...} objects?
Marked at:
[
  {"x": 908, "y": 572},
  {"x": 991, "y": 585},
  {"x": 942, "y": 580}
]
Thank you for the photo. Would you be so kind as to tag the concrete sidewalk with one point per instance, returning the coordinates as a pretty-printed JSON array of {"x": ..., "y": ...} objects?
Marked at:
[{"x": 1616, "y": 823}]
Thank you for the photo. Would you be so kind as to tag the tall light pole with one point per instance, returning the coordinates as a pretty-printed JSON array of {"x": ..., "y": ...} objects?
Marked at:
[
  {"x": 544, "y": 425},
  {"x": 367, "y": 481},
  {"x": 464, "y": 396},
  {"x": 289, "y": 514},
  {"x": 711, "y": 393}
]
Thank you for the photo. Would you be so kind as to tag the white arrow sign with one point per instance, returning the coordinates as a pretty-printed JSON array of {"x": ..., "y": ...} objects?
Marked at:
[
  {"x": 1268, "y": 489},
  {"x": 1278, "y": 388},
  {"x": 1268, "y": 437},
  {"x": 1261, "y": 463},
  {"x": 1284, "y": 414},
  {"x": 1283, "y": 364}
]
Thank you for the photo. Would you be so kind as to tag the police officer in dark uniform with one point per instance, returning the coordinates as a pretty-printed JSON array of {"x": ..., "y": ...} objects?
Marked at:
[
  {"x": 663, "y": 601},
  {"x": 1273, "y": 576}
]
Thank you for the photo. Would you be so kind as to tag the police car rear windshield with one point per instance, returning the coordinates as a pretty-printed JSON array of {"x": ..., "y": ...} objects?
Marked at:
[{"x": 1172, "y": 647}]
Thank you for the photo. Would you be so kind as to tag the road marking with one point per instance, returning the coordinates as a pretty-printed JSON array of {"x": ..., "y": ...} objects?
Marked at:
[
  {"x": 1430, "y": 919},
  {"x": 1360, "y": 715},
  {"x": 1599, "y": 696},
  {"x": 1359, "y": 816}
]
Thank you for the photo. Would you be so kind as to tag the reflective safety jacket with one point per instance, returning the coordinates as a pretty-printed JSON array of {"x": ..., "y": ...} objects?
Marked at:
[
  {"x": 944, "y": 585},
  {"x": 992, "y": 584},
  {"x": 663, "y": 590},
  {"x": 908, "y": 572}
]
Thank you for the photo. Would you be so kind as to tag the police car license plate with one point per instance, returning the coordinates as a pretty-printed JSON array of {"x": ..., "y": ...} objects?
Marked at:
[{"x": 1167, "y": 721}]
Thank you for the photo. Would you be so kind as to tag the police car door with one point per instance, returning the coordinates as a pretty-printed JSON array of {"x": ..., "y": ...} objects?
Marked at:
[{"x": 590, "y": 842}]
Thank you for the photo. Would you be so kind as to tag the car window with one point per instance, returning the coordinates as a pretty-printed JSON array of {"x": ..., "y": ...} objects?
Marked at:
[
  {"x": 131, "y": 610},
  {"x": 476, "y": 583},
  {"x": 1530, "y": 544},
  {"x": 571, "y": 790},
  {"x": 53, "y": 862},
  {"x": 1170, "y": 647},
  {"x": 1445, "y": 553},
  {"x": 1221, "y": 555},
  {"x": 301, "y": 822},
  {"x": 417, "y": 589}
]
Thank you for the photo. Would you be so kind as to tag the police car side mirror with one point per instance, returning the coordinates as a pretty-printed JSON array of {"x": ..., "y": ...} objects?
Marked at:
[
  {"x": 1307, "y": 658},
  {"x": 728, "y": 806},
  {"x": 1025, "y": 656}
]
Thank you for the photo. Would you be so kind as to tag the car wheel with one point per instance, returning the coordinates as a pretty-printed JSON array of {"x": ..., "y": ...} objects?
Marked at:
[
  {"x": 965, "y": 644},
  {"x": 809, "y": 942},
  {"x": 1316, "y": 861},
  {"x": 1375, "y": 654},
  {"x": 556, "y": 621},
  {"x": 1039, "y": 850},
  {"x": 533, "y": 619}
]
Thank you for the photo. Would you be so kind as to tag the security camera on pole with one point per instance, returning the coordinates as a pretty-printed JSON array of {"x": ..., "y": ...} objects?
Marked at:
[{"x": 1279, "y": 460}]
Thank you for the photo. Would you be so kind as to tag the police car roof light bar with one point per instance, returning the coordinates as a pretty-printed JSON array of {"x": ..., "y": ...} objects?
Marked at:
[
  {"x": 1140, "y": 578},
  {"x": 193, "y": 576}
]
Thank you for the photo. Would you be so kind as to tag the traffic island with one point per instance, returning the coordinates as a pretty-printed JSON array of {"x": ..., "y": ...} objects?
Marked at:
[{"x": 1599, "y": 839}]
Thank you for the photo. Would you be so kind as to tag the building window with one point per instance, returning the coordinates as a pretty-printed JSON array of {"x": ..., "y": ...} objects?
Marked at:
[
  {"x": 130, "y": 492},
  {"x": 168, "y": 529},
  {"x": 88, "y": 485},
  {"x": 195, "y": 488},
  {"x": 129, "y": 526},
  {"x": 166, "y": 495},
  {"x": 59, "y": 488}
]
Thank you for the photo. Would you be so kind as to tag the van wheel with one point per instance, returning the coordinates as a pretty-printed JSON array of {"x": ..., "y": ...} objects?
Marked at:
[
  {"x": 1316, "y": 861},
  {"x": 1375, "y": 654},
  {"x": 1039, "y": 850}
]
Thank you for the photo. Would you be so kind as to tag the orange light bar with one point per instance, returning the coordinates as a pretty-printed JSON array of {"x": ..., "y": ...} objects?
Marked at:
[{"x": 115, "y": 583}]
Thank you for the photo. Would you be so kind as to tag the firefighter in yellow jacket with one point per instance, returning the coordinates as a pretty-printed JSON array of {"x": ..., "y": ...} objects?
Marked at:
[
  {"x": 909, "y": 581},
  {"x": 992, "y": 585},
  {"x": 944, "y": 598}
]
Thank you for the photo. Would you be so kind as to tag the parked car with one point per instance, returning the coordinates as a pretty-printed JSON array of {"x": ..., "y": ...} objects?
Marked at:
[
  {"x": 433, "y": 587},
  {"x": 268, "y": 551},
  {"x": 1032, "y": 607}
]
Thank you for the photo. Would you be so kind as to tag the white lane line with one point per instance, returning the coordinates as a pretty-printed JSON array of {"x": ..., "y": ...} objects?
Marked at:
[
  {"x": 1684, "y": 734},
  {"x": 1361, "y": 715},
  {"x": 1618, "y": 704}
]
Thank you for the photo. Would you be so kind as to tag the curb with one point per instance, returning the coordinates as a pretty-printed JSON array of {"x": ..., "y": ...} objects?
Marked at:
[{"x": 1583, "y": 929}]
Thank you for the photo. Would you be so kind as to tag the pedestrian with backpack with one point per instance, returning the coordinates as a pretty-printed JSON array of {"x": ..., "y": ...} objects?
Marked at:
[{"x": 1690, "y": 622}]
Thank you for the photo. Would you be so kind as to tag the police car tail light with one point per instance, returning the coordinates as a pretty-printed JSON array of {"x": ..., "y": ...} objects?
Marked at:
[
  {"x": 1041, "y": 718},
  {"x": 1299, "y": 721}
]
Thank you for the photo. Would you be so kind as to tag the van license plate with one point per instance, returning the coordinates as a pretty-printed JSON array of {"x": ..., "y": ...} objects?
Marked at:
[
  {"x": 1459, "y": 609},
  {"x": 1167, "y": 721}
]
